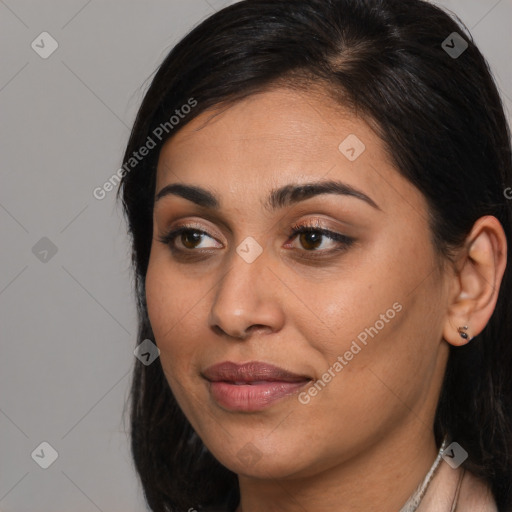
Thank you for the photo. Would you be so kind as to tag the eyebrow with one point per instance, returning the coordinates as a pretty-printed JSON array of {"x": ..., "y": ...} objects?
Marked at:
[{"x": 278, "y": 198}]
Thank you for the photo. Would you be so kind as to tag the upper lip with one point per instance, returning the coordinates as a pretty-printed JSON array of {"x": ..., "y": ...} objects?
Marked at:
[{"x": 253, "y": 371}]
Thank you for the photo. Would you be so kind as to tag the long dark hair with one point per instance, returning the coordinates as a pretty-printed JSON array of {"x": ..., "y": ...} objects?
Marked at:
[{"x": 442, "y": 121}]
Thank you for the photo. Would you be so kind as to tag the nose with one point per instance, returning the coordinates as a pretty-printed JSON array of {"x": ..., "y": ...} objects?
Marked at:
[{"x": 247, "y": 300}]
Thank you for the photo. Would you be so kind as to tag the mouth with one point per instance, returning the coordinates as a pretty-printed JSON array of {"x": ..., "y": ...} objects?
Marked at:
[{"x": 252, "y": 386}]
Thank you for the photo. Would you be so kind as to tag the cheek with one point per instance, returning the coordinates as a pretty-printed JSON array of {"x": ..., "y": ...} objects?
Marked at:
[
  {"x": 161, "y": 301},
  {"x": 175, "y": 318},
  {"x": 384, "y": 356},
  {"x": 382, "y": 318},
  {"x": 364, "y": 303},
  {"x": 173, "y": 313}
]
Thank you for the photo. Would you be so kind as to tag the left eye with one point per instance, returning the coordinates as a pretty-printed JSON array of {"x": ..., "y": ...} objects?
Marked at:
[{"x": 313, "y": 238}]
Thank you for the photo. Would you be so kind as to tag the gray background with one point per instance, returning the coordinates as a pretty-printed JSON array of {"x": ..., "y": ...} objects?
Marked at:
[{"x": 67, "y": 320}]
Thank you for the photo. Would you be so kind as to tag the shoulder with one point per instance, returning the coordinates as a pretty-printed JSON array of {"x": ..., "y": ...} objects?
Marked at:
[
  {"x": 457, "y": 490},
  {"x": 475, "y": 495}
]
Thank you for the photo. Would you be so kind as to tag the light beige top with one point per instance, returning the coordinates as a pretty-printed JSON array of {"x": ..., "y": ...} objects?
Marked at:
[{"x": 457, "y": 490}]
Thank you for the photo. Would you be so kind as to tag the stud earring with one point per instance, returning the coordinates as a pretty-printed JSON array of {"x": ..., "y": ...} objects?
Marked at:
[{"x": 462, "y": 332}]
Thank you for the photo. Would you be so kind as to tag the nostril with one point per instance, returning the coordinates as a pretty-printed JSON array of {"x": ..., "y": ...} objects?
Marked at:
[
  {"x": 258, "y": 328},
  {"x": 232, "y": 333},
  {"x": 242, "y": 335}
]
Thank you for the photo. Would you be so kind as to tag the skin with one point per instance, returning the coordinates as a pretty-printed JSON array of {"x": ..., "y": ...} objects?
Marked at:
[{"x": 367, "y": 437}]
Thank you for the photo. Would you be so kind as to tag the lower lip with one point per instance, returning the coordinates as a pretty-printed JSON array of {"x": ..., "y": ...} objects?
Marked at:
[{"x": 252, "y": 397}]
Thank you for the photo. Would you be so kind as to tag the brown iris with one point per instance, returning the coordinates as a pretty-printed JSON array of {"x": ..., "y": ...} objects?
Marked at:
[{"x": 310, "y": 240}]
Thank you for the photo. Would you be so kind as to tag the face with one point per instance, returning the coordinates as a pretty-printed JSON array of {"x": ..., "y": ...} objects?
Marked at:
[{"x": 307, "y": 318}]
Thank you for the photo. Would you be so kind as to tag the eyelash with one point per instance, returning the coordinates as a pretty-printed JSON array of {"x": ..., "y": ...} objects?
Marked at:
[{"x": 297, "y": 229}]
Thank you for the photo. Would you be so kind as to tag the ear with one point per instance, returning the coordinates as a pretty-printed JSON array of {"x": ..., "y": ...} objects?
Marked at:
[{"x": 477, "y": 280}]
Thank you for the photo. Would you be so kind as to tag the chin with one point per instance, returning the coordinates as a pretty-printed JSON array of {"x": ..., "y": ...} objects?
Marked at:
[{"x": 264, "y": 460}]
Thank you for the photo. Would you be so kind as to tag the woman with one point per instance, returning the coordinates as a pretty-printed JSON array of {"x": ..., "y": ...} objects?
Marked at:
[{"x": 320, "y": 225}]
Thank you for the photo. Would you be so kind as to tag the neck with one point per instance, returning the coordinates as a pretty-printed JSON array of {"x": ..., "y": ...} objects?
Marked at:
[{"x": 382, "y": 475}]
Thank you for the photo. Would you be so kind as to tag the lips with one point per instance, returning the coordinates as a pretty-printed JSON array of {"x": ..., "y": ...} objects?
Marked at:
[{"x": 251, "y": 386}]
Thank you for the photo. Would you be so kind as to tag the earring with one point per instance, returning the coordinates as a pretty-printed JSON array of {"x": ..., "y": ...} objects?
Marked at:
[{"x": 462, "y": 332}]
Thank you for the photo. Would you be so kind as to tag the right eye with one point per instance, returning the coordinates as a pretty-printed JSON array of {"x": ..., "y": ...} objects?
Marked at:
[{"x": 189, "y": 238}]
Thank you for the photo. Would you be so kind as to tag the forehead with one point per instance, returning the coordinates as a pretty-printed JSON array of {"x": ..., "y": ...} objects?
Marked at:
[
  {"x": 277, "y": 137},
  {"x": 285, "y": 119}
]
